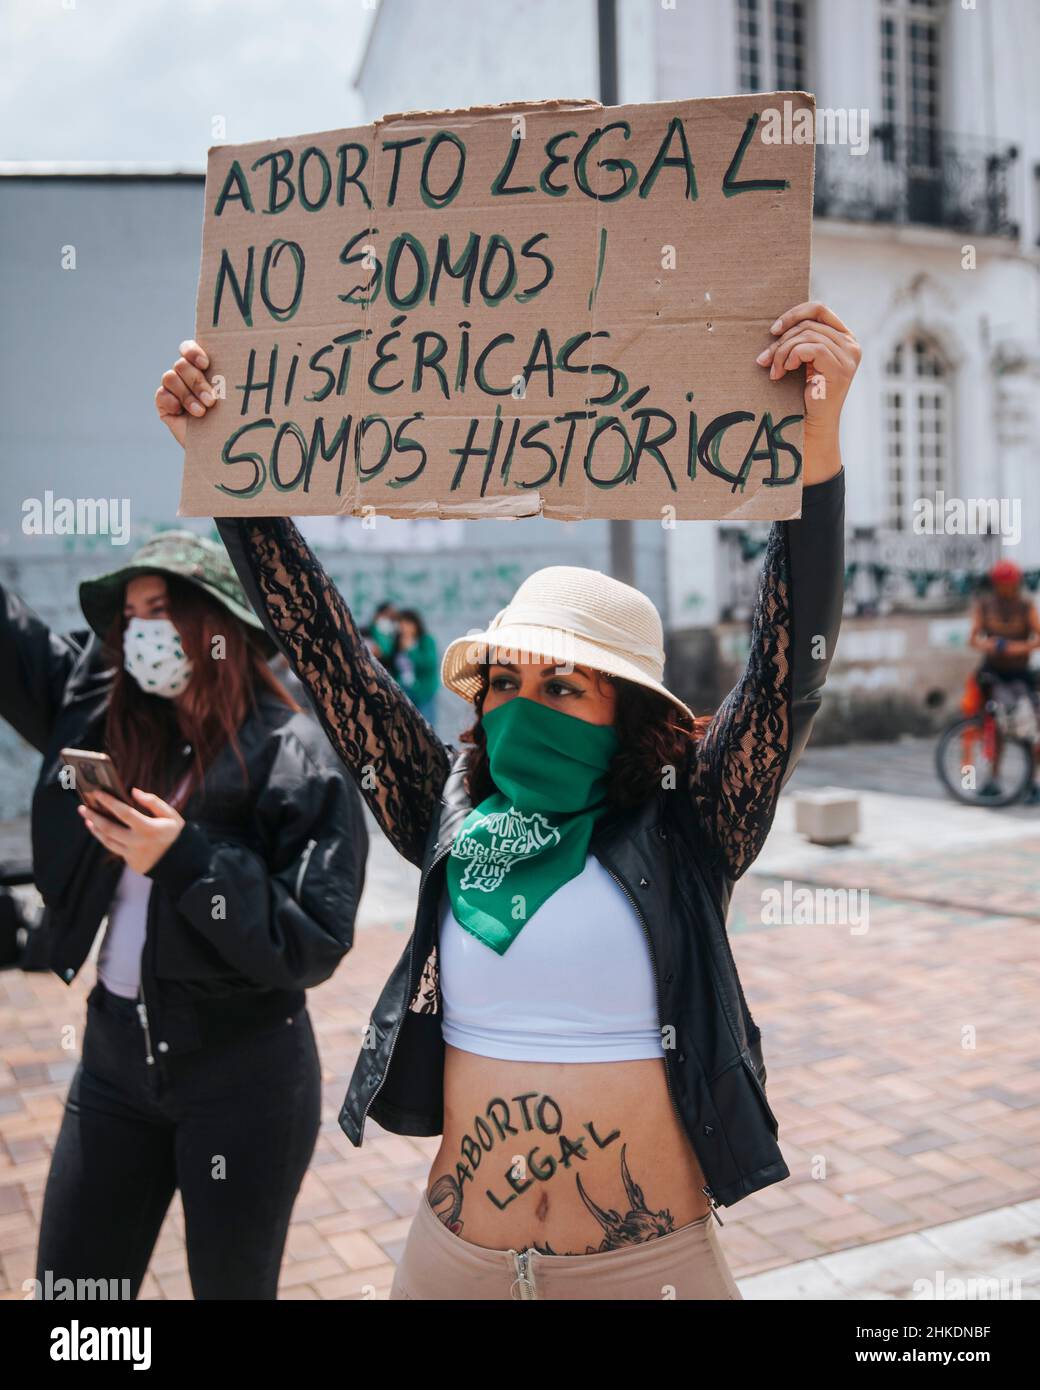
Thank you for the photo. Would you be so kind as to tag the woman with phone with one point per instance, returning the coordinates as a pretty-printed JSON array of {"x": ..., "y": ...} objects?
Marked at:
[
  {"x": 226, "y": 859},
  {"x": 567, "y": 1014}
]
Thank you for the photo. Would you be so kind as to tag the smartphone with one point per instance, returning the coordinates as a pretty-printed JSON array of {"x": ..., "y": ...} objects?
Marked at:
[{"x": 95, "y": 771}]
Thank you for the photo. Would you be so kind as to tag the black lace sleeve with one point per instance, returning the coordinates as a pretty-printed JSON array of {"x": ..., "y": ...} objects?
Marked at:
[
  {"x": 753, "y": 743},
  {"x": 393, "y": 754}
]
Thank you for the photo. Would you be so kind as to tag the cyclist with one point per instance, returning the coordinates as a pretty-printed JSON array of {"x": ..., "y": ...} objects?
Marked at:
[{"x": 1006, "y": 629}]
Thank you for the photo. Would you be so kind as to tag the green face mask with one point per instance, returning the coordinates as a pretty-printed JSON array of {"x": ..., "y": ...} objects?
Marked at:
[{"x": 523, "y": 842}]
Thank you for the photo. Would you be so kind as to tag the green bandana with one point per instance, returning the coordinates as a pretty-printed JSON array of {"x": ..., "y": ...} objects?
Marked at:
[{"x": 519, "y": 845}]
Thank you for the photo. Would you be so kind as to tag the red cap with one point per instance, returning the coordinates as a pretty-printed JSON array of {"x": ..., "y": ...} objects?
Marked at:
[{"x": 1005, "y": 572}]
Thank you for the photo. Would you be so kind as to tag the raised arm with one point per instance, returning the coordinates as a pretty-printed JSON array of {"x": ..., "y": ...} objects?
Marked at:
[
  {"x": 757, "y": 736},
  {"x": 393, "y": 754},
  {"x": 36, "y": 665},
  {"x": 759, "y": 733}
]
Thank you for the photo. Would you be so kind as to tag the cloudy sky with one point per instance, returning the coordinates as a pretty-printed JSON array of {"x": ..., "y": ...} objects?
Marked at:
[{"x": 145, "y": 80}]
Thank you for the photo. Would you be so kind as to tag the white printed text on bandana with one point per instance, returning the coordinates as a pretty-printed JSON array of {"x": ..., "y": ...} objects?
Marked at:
[{"x": 512, "y": 837}]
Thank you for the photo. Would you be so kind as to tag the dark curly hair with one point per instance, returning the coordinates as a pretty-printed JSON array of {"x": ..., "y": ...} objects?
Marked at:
[{"x": 654, "y": 735}]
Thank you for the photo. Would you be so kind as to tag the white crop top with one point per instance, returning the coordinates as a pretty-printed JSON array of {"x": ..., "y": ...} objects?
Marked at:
[{"x": 576, "y": 985}]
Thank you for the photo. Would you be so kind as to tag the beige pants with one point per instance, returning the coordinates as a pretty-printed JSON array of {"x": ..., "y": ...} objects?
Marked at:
[{"x": 687, "y": 1264}]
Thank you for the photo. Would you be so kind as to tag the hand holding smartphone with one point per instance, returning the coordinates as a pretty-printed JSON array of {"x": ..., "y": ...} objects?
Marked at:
[{"x": 95, "y": 772}]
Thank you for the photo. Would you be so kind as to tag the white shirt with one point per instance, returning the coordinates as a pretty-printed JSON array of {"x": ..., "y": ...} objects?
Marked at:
[
  {"x": 575, "y": 985},
  {"x": 119, "y": 960}
]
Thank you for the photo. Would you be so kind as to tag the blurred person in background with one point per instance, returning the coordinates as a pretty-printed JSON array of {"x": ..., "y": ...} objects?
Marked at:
[
  {"x": 228, "y": 888},
  {"x": 1006, "y": 630},
  {"x": 413, "y": 663},
  {"x": 381, "y": 632}
]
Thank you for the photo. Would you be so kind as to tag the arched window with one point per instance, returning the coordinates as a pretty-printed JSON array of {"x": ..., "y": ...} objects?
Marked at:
[{"x": 917, "y": 427}]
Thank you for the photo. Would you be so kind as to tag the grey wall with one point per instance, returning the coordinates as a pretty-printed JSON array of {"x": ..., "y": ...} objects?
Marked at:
[{"x": 84, "y": 347}]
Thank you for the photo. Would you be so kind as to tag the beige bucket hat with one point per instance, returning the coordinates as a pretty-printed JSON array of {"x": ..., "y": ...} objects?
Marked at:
[{"x": 570, "y": 616}]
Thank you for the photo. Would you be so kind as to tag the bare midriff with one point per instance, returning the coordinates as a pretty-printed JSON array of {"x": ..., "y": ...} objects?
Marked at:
[{"x": 568, "y": 1158}]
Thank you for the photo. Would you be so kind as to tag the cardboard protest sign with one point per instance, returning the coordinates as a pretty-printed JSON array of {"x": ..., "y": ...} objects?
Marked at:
[{"x": 547, "y": 308}]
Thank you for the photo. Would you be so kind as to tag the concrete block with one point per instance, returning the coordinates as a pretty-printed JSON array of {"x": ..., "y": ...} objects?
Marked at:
[{"x": 827, "y": 817}]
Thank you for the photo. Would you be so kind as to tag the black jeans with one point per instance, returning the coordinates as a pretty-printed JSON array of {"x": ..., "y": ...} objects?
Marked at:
[{"x": 232, "y": 1126}]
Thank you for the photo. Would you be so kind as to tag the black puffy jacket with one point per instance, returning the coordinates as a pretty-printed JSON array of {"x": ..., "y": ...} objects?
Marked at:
[
  {"x": 676, "y": 856},
  {"x": 255, "y": 900}
]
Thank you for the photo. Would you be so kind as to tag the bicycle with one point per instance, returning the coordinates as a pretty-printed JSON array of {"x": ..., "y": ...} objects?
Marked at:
[{"x": 985, "y": 759}]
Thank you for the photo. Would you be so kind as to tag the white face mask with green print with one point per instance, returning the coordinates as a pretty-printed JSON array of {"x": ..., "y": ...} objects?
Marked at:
[{"x": 153, "y": 655}]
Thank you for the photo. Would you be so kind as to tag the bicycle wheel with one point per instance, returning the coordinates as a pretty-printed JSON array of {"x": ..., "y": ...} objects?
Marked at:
[{"x": 970, "y": 770}]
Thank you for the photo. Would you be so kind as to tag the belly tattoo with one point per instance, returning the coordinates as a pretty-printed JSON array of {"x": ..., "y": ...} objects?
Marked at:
[{"x": 536, "y": 1113}]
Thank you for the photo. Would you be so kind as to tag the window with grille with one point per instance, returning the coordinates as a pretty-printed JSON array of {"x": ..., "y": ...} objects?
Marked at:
[
  {"x": 911, "y": 64},
  {"x": 916, "y": 415},
  {"x": 771, "y": 45}
]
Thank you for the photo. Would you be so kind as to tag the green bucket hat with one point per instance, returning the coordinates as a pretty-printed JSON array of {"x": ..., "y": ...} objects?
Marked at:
[{"x": 203, "y": 562}]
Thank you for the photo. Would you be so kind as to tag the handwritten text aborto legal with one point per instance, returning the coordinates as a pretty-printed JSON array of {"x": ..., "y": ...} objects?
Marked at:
[{"x": 537, "y": 309}]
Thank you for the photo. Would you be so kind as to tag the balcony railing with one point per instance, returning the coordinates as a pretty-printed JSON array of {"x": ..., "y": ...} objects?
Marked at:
[
  {"x": 920, "y": 175},
  {"x": 886, "y": 571}
]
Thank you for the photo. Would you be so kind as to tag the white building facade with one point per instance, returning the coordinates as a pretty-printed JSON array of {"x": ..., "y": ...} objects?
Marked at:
[{"x": 927, "y": 244}]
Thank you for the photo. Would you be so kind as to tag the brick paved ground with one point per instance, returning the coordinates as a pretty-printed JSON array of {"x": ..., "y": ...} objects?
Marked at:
[{"x": 904, "y": 1064}]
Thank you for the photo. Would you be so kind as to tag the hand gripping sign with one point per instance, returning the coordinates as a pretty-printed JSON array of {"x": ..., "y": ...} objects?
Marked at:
[{"x": 546, "y": 309}]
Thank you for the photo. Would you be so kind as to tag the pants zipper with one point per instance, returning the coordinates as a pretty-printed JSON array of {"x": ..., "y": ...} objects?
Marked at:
[
  {"x": 142, "y": 1014},
  {"x": 711, "y": 1198},
  {"x": 524, "y": 1280}
]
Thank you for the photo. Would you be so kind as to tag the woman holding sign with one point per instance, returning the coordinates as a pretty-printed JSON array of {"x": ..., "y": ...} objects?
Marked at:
[{"x": 567, "y": 1013}]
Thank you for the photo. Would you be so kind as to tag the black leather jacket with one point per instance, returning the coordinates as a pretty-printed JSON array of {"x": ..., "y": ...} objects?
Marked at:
[
  {"x": 283, "y": 852},
  {"x": 676, "y": 856}
]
